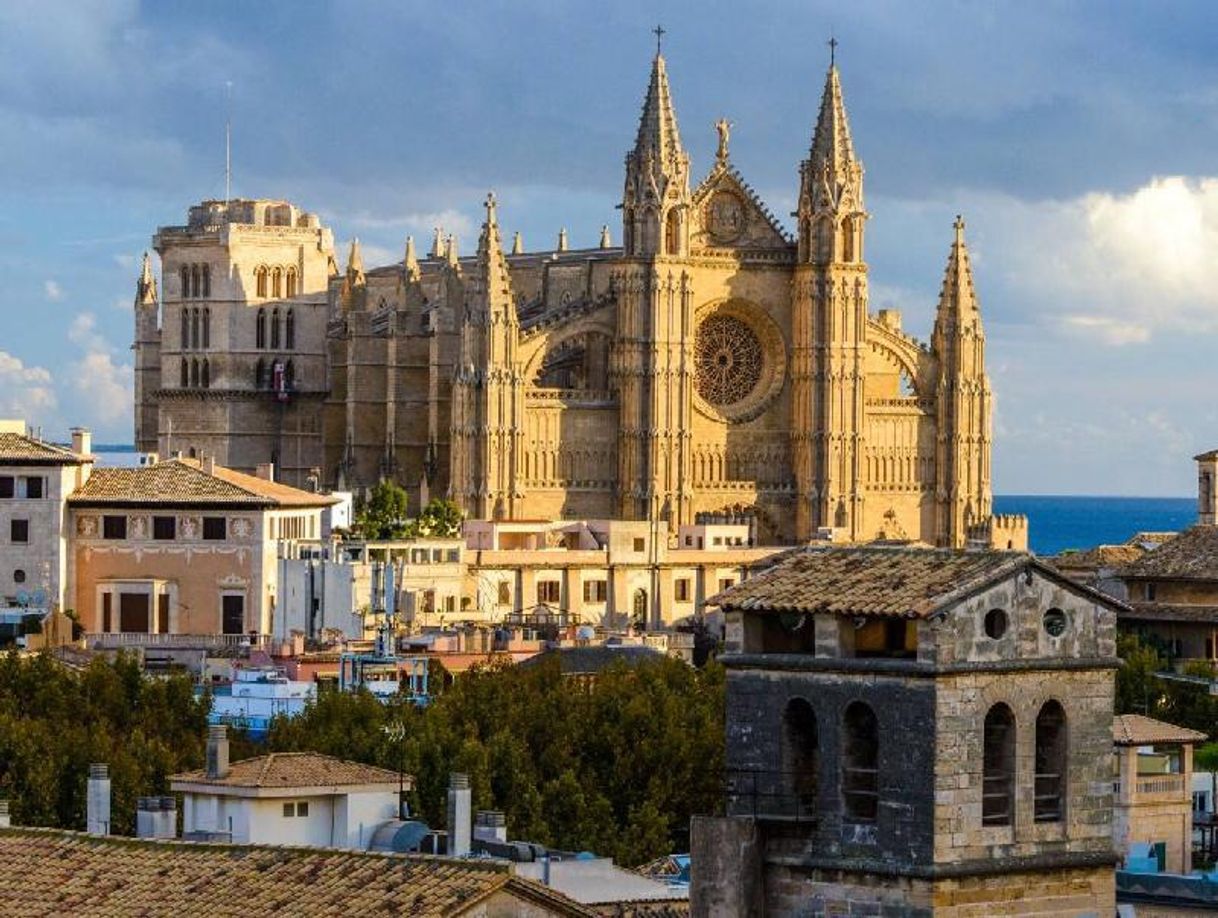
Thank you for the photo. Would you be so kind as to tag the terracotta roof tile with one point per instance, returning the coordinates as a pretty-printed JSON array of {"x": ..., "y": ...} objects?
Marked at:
[
  {"x": 644, "y": 908},
  {"x": 1170, "y": 612},
  {"x": 869, "y": 581},
  {"x": 17, "y": 448},
  {"x": 1192, "y": 555},
  {"x": 294, "y": 769},
  {"x": 1138, "y": 730},
  {"x": 186, "y": 481},
  {"x": 67, "y": 873}
]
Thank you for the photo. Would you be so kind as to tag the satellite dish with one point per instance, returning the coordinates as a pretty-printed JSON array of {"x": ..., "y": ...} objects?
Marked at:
[
  {"x": 23, "y": 598},
  {"x": 38, "y": 598}
]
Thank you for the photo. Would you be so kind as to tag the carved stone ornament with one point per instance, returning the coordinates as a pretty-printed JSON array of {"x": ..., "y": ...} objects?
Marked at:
[
  {"x": 86, "y": 526},
  {"x": 725, "y": 217},
  {"x": 739, "y": 361}
]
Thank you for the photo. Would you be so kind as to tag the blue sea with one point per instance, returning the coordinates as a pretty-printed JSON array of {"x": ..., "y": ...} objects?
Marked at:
[{"x": 1057, "y": 523}]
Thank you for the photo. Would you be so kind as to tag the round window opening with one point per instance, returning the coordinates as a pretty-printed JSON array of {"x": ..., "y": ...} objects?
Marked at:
[
  {"x": 995, "y": 623},
  {"x": 1055, "y": 622},
  {"x": 728, "y": 358},
  {"x": 19, "y": 576}
]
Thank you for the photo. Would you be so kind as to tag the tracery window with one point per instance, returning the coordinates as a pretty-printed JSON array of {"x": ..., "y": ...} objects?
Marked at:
[
  {"x": 206, "y": 327},
  {"x": 289, "y": 329},
  {"x": 260, "y": 330},
  {"x": 194, "y": 328},
  {"x": 206, "y": 281},
  {"x": 274, "y": 328},
  {"x": 728, "y": 360}
]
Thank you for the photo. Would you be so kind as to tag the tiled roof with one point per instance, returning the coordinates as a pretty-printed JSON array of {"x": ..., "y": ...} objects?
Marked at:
[
  {"x": 644, "y": 908},
  {"x": 186, "y": 481},
  {"x": 294, "y": 769},
  {"x": 17, "y": 448},
  {"x": 870, "y": 581},
  {"x": 1137, "y": 730},
  {"x": 1192, "y": 555},
  {"x": 1170, "y": 612},
  {"x": 52, "y": 872},
  {"x": 1100, "y": 556}
]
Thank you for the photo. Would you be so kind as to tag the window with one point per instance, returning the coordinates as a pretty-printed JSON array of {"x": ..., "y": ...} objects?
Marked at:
[
  {"x": 800, "y": 757},
  {"x": 1055, "y": 622},
  {"x": 681, "y": 590},
  {"x": 595, "y": 590},
  {"x": 33, "y": 488},
  {"x": 289, "y": 330},
  {"x": 19, "y": 530},
  {"x": 185, "y": 282},
  {"x": 232, "y": 613},
  {"x": 639, "y": 613},
  {"x": 998, "y": 761},
  {"x": 860, "y": 764},
  {"x": 302, "y": 808},
  {"x": 194, "y": 372},
  {"x": 289, "y": 810},
  {"x": 164, "y": 527},
  {"x": 726, "y": 583},
  {"x": 1149, "y": 591},
  {"x": 194, "y": 280},
  {"x": 291, "y": 284},
  {"x": 194, "y": 328},
  {"x": 995, "y": 623},
  {"x": 6, "y": 485},
  {"x": 114, "y": 527},
  {"x": 185, "y": 381},
  {"x": 162, "y": 613},
  {"x": 277, "y": 283},
  {"x": 185, "y": 329},
  {"x": 19, "y": 576},
  {"x": 274, "y": 328},
  {"x": 548, "y": 590},
  {"x": 887, "y": 637},
  {"x": 289, "y": 380},
  {"x": 206, "y": 283},
  {"x": 505, "y": 593},
  {"x": 260, "y": 282},
  {"x": 1050, "y": 762},
  {"x": 107, "y": 611},
  {"x": 260, "y": 330},
  {"x": 640, "y": 545},
  {"x": 214, "y": 528},
  {"x": 206, "y": 327},
  {"x": 260, "y": 374},
  {"x": 205, "y": 374}
]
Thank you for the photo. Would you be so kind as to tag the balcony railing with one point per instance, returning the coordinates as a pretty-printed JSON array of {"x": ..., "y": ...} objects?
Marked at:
[
  {"x": 1164, "y": 786},
  {"x": 118, "y": 640}
]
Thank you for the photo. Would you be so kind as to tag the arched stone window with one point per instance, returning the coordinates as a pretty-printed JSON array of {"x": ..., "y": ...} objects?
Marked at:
[
  {"x": 800, "y": 757},
  {"x": 194, "y": 373},
  {"x": 289, "y": 330},
  {"x": 274, "y": 329},
  {"x": 260, "y": 280},
  {"x": 206, "y": 281},
  {"x": 260, "y": 374},
  {"x": 672, "y": 232},
  {"x": 998, "y": 763},
  {"x": 206, "y": 327},
  {"x": 185, "y": 328},
  {"x": 860, "y": 763},
  {"x": 277, "y": 283},
  {"x": 260, "y": 330},
  {"x": 194, "y": 328},
  {"x": 205, "y": 374},
  {"x": 185, "y": 380},
  {"x": 194, "y": 280},
  {"x": 291, "y": 282},
  {"x": 1051, "y": 763},
  {"x": 185, "y": 281}
]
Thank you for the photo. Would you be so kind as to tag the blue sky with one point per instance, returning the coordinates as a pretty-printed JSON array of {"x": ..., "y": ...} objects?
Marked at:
[{"x": 1078, "y": 139}]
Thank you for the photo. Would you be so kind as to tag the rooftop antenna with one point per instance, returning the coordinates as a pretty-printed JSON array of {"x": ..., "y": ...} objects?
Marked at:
[{"x": 228, "y": 143}]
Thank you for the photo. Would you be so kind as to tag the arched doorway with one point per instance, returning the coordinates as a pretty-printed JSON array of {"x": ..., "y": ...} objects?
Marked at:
[{"x": 638, "y": 613}]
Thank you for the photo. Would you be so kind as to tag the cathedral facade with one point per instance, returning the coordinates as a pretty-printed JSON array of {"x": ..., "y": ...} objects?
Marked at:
[{"x": 713, "y": 363}]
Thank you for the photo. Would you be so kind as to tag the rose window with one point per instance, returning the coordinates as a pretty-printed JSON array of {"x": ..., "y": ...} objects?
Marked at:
[{"x": 728, "y": 358}]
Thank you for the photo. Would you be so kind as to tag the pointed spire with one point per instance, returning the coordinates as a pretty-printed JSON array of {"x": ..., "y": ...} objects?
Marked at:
[
  {"x": 437, "y": 243},
  {"x": 492, "y": 272},
  {"x": 145, "y": 287},
  {"x": 562, "y": 240},
  {"x": 355, "y": 263},
  {"x": 606, "y": 240},
  {"x": 517, "y": 244},
  {"x": 410, "y": 263},
  {"x": 658, "y": 124},
  {"x": 957, "y": 297},
  {"x": 450, "y": 250},
  {"x": 831, "y": 141}
]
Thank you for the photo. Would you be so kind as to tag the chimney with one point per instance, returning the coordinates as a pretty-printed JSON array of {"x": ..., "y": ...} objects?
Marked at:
[
  {"x": 169, "y": 817},
  {"x": 82, "y": 440},
  {"x": 97, "y": 800},
  {"x": 209, "y": 464},
  {"x": 459, "y": 812},
  {"x": 265, "y": 470},
  {"x": 147, "y": 816},
  {"x": 217, "y": 751},
  {"x": 490, "y": 825},
  {"x": 5, "y": 821}
]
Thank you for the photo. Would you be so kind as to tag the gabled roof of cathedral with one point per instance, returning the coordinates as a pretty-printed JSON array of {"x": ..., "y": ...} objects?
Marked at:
[
  {"x": 658, "y": 123},
  {"x": 831, "y": 140},
  {"x": 725, "y": 173}
]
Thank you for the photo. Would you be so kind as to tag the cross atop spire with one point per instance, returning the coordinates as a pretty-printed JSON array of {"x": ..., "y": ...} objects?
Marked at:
[
  {"x": 832, "y": 43},
  {"x": 659, "y": 34}
]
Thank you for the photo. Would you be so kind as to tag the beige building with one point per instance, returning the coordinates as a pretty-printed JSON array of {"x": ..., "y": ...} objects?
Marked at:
[
  {"x": 1152, "y": 794},
  {"x": 712, "y": 362},
  {"x": 181, "y": 547}
]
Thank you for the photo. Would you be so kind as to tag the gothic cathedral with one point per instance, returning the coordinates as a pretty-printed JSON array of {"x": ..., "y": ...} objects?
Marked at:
[{"x": 710, "y": 364}]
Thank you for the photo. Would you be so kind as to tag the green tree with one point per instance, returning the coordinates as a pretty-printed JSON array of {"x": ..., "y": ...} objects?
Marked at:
[
  {"x": 384, "y": 514},
  {"x": 1138, "y": 691},
  {"x": 440, "y": 519}
]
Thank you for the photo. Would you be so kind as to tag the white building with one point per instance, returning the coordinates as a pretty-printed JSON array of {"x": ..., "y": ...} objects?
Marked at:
[{"x": 286, "y": 798}]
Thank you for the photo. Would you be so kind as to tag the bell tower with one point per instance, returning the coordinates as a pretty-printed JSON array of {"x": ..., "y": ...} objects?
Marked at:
[
  {"x": 829, "y": 327},
  {"x": 147, "y": 358}
]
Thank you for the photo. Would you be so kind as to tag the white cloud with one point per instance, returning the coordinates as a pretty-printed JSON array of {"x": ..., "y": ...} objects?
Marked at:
[
  {"x": 25, "y": 392},
  {"x": 83, "y": 331},
  {"x": 106, "y": 386},
  {"x": 53, "y": 291}
]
